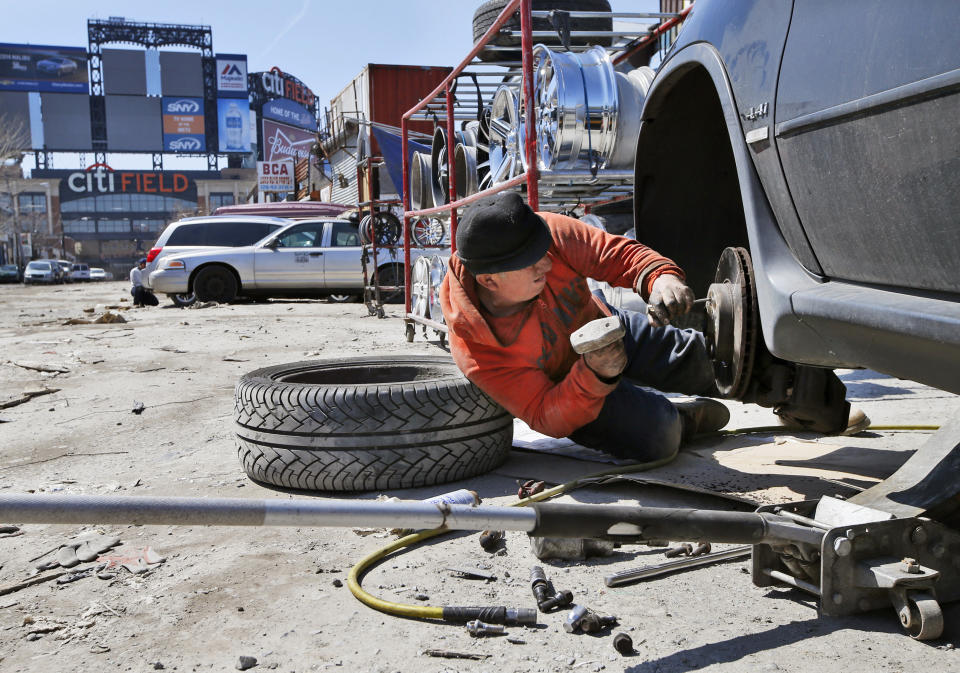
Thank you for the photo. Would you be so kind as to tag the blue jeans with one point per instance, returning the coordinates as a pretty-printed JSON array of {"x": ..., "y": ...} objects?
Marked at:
[{"x": 641, "y": 424}]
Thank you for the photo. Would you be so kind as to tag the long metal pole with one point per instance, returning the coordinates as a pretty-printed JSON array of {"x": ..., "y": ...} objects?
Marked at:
[{"x": 322, "y": 512}]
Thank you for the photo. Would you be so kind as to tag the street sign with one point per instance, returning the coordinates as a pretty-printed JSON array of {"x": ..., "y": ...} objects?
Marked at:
[{"x": 275, "y": 176}]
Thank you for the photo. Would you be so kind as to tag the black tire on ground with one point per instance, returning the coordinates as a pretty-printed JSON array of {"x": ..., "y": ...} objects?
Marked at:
[
  {"x": 488, "y": 12},
  {"x": 367, "y": 423},
  {"x": 183, "y": 300},
  {"x": 215, "y": 283}
]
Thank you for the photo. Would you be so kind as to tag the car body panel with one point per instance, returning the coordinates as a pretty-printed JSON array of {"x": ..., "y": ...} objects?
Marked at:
[
  {"x": 882, "y": 134},
  {"x": 883, "y": 322},
  {"x": 206, "y": 233},
  {"x": 80, "y": 272}
]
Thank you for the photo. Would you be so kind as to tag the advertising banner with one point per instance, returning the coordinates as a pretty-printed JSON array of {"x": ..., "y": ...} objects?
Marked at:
[
  {"x": 101, "y": 179},
  {"x": 288, "y": 112},
  {"x": 43, "y": 68},
  {"x": 183, "y": 125},
  {"x": 233, "y": 123},
  {"x": 285, "y": 142},
  {"x": 275, "y": 176},
  {"x": 231, "y": 76}
]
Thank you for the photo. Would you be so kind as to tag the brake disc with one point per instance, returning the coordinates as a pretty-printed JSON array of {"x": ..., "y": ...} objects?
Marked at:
[{"x": 732, "y": 322}]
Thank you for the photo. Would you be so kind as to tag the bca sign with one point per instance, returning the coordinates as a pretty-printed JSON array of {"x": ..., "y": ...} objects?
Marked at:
[{"x": 275, "y": 176}]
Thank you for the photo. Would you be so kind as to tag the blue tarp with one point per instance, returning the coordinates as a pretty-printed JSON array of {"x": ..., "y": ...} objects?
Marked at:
[{"x": 390, "y": 151}]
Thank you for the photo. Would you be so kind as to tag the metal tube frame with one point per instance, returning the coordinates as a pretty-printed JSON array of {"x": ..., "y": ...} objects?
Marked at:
[{"x": 431, "y": 103}]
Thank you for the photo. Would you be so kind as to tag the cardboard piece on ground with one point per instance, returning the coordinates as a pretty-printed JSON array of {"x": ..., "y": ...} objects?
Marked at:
[{"x": 765, "y": 468}]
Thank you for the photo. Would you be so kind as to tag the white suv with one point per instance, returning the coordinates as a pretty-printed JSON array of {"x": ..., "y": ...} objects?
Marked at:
[{"x": 193, "y": 234}]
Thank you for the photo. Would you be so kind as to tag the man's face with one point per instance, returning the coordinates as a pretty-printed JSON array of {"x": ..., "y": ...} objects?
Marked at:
[
  {"x": 142, "y": 266},
  {"x": 523, "y": 284}
]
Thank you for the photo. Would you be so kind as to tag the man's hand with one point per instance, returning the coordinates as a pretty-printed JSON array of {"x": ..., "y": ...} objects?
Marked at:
[
  {"x": 669, "y": 298},
  {"x": 609, "y": 361}
]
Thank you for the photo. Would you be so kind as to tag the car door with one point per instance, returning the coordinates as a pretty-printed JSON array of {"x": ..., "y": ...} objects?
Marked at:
[
  {"x": 866, "y": 127},
  {"x": 342, "y": 265},
  {"x": 292, "y": 260}
]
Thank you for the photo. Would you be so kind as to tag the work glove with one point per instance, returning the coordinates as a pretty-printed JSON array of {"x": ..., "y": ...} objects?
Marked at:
[
  {"x": 669, "y": 298},
  {"x": 607, "y": 362}
]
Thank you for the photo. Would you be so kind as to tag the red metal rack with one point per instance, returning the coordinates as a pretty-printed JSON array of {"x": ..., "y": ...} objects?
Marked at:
[{"x": 531, "y": 176}]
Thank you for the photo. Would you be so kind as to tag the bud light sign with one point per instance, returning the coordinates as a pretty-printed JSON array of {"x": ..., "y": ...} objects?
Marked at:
[
  {"x": 233, "y": 117},
  {"x": 183, "y": 128}
]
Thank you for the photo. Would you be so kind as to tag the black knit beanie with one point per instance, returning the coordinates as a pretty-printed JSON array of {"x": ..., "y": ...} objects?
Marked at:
[{"x": 501, "y": 233}]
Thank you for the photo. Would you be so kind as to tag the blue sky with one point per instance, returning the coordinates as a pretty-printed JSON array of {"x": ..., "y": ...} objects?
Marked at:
[{"x": 325, "y": 43}]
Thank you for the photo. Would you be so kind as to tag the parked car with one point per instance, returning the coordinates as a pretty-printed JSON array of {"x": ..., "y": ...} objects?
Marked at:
[
  {"x": 57, "y": 65},
  {"x": 309, "y": 258},
  {"x": 9, "y": 273},
  {"x": 96, "y": 273},
  {"x": 805, "y": 155},
  {"x": 65, "y": 270},
  {"x": 80, "y": 272},
  {"x": 41, "y": 271},
  {"x": 201, "y": 233}
]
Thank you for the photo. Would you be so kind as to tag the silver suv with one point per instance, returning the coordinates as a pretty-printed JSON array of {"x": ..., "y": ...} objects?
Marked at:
[{"x": 194, "y": 234}]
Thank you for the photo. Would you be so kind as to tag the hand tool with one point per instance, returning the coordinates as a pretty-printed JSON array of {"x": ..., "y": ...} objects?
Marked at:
[{"x": 596, "y": 334}]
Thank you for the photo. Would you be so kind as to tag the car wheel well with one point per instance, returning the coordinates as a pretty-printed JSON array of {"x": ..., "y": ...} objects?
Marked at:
[
  {"x": 193, "y": 275},
  {"x": 688, "y": 204}
]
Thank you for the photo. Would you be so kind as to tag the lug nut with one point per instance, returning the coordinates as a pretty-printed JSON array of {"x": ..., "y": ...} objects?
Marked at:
[
  {"x": 561, "y": 599},
  {"x": 701, "y": 549},
  {"x": 476, "y": 628},
  {"x": 684, "y": 549},
  {"x": 623, "y": 644}
]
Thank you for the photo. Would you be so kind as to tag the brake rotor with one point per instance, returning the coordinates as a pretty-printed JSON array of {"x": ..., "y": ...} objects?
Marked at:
[{"x": 732, "y": 324}]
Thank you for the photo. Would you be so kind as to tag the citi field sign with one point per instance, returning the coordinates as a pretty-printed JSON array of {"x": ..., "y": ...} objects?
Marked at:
[{"x": 101, "y": 179}]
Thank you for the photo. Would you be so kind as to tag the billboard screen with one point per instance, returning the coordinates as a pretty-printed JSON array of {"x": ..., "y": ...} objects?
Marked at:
[
  {"x": 233, "y": 124},
  {"x": 43, "y": 68},
  {"x": 183, "y": 125},
  {"x": 134, "y": 124},
  {"x": 288, "y": 112},
  {"x": 181, "y": 73},
  {"x": 285, "y": 142},
  {"x": 275, "y": 176},
  {"x": 124, "y": 72},
  {"x": 231, "y": 76},
  {"x": 66, "y": 122}
]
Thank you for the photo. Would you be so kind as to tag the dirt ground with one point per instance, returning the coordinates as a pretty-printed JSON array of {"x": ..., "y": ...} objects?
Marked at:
[{"x": 279, "y": 595}]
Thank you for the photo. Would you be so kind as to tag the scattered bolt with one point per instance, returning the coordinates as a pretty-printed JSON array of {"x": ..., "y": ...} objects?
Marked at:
[
  {"x": 684, "y": 549},
  {"x": 476, "y": 628},
  {"x": 701, "y": 549},
  {"x": 623, "y": 644},
  {"x": 842, "y": 546},
  {"x": 490, "y": 540}
]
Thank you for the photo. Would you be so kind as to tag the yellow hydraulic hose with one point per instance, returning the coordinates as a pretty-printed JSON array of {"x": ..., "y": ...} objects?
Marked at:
[{"x": 433, "y": 612}]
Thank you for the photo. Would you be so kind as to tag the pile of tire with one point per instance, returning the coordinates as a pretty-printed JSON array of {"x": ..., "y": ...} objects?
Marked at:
[{"x": 367, "y": 423}]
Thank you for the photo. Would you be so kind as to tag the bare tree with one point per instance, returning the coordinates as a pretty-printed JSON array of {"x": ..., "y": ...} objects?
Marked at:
[{"x": 14, "y": 140}]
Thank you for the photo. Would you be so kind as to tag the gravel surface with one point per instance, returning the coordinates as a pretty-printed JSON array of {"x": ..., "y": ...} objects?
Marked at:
[{"x": 145, "y": 407}]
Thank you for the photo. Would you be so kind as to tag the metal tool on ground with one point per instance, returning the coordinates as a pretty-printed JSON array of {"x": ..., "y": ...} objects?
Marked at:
[
  {"x": 623, "y": 644},
  {"x": 649, "y": 572},
  {"x": 491, "y": 540},
  {"x": 684, "y": 549},
  {"x": 596, "y": 334},
  {"x": 849, "y": 557},
  {"x": 473, "y": 574},
  {"x": 701, "y": 549},
  {"x": 582, "y": 618},
  {"x": 569, "y": 549},
  {"x": 529, "y": 488},
  {"x": 476, "y": 628},
  {"x": 547, "y": 597}
]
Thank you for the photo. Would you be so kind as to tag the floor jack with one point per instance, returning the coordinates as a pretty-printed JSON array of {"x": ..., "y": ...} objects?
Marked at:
[{"x": 893, "y": 543}]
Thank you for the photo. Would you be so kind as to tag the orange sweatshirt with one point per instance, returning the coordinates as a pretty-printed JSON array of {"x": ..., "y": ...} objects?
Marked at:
[{"x": 531, "y": 369}]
